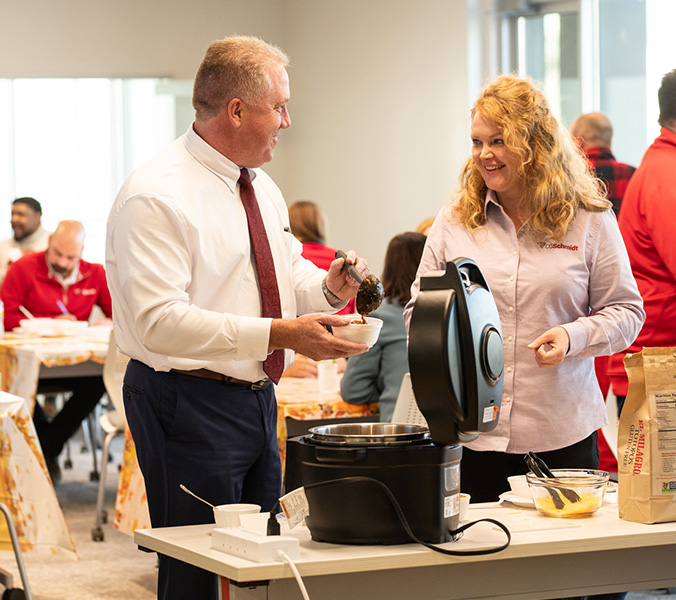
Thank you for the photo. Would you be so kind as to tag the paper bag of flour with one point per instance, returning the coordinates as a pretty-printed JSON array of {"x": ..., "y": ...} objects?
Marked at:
[{"x": 647, "y": 438}]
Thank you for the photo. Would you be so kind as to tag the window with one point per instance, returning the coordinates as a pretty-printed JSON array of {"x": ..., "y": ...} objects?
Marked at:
[
  {"x": 70, "y": 143},
  {"x": 590, "y": 55}
]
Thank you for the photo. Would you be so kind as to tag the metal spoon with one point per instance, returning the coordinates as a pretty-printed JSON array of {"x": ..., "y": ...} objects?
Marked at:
[
  {"x": 185, "y": 489},
  {"x": 370, "y": 294}
]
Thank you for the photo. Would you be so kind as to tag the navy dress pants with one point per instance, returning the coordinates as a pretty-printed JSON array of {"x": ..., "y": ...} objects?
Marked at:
[{"x": 218, "y": 439}]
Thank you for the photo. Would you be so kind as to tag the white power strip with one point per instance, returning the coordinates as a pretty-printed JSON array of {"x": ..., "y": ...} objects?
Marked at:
[{"x": 253, "y": 546}]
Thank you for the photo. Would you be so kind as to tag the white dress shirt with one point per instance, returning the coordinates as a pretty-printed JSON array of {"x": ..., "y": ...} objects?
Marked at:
[
  {"x": 180, "y": 265},
  {"x": 583, "y": 283}
]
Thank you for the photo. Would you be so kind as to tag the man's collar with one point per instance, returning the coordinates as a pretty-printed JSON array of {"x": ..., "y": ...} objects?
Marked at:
[
  {"x": 213, "y": 160},
  {"x": 74, "y": 276}
]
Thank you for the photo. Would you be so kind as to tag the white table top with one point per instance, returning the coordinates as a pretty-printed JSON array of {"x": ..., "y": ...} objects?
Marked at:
[{"x": 532, "y": 536}]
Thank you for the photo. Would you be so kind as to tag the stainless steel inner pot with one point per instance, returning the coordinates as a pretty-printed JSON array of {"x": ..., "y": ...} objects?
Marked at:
[{"x": 369, "y": 434}]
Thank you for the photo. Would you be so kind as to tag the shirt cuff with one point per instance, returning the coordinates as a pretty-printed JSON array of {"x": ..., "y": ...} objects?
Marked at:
[
  {"x": 577, "y": 338},
  {"x": 253, "y": 338}
]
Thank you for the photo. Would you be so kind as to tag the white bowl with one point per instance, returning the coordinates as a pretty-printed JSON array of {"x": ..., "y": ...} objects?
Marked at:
[
  {"x": 519, "y": 486},
  {"x": 358, "y": 332},
  {"x": 227, "y": 515}
]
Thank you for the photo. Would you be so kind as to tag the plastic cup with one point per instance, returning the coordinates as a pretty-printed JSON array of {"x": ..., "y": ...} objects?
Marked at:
[
  {"x": 464, "y": 505},
  {"x": 327, "y": 376}
]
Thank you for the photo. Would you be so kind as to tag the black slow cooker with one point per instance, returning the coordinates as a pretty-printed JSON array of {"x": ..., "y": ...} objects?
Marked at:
[{"x": 361, "y": 479}]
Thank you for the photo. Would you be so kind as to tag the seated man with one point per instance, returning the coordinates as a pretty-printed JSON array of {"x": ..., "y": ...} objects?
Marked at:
[
  {"x": 58, "y": 283},
  {"x": 29, "y": 236}
]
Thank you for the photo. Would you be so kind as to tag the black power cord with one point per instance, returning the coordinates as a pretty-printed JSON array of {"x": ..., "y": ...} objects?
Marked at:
[
  {"x": 402, "y": 518},
  {"x": 273, "y": 527}
]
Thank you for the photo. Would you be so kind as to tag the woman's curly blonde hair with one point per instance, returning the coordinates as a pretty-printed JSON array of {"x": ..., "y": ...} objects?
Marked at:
[{"x": 556, "y": 176}]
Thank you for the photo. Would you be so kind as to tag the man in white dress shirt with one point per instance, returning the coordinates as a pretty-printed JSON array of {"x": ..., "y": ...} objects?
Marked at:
[
  {"x": 187, "y": 306},
  {"x": 29, "y": 236}
]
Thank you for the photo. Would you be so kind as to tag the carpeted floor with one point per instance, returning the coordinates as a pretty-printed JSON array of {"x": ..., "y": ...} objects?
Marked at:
[{"x": 114, "y": 568}]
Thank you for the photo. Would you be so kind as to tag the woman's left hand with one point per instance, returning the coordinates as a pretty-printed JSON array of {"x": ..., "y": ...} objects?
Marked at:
[{"x": 551, "y": 347}]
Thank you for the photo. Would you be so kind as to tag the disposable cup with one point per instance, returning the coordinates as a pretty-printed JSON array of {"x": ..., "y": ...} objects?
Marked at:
[
  {"x": 464, "y": 505},
  {"x": 519, "y": 486},
  {"x": 227, "y": 515}
]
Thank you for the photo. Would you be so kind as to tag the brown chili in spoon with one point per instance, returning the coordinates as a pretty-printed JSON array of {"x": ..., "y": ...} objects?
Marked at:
[{"x": 370, "y": 294}]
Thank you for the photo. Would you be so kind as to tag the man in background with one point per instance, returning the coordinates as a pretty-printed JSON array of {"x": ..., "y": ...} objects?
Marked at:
[
  {"x": 208, "y": 283},
  {"x": 593, "y": 132},
  {"x": 648, "y": 227},
  {"x": 57, "y": 283},
  {"x": 29, "y": 236}
]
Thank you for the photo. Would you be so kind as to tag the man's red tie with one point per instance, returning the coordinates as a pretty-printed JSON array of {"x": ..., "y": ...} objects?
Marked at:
[{"x": 265, "y": 268}]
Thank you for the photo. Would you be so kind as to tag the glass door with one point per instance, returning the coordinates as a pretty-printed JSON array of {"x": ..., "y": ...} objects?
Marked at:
[
  {"x": 542, "y": 39},
  {"x": 590, "y": 55}
]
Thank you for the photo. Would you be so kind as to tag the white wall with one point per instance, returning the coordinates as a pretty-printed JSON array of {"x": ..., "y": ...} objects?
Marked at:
[
  {"x": 379, "y": 103},
  {"x": 379, "y": 114},
  {"x": 123, "y": 38}
]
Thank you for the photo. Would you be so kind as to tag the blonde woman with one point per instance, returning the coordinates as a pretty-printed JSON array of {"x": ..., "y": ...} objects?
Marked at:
[{"x": 537, "y": 224}]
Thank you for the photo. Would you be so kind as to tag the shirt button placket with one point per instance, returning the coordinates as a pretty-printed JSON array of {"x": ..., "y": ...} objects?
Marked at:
[{"x": 509, "y": 332}]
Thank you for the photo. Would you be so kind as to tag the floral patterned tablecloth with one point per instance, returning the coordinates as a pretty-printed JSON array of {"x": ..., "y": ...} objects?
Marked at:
[
  {"x": 131, "y": 504},
  {"x": 20, "y": 360},
  {"x": 25, "y": 486},
  {"x": 21, "y": 357}
]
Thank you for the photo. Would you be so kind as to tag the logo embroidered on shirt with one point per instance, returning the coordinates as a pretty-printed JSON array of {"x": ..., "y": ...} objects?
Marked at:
[
  {"x": 85, "y": 291},
  {"x": 558, "y": 246}
]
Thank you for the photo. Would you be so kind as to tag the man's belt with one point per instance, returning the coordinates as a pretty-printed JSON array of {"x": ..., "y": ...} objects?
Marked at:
[{"x": 261, "y": 384}]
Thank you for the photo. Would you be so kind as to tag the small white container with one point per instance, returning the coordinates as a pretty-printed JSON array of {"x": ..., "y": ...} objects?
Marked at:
[
  {"x": 327, "y": 376},
  {"x": 519, "y": 486},
  {"x": 359, "y": 332},
  {"x": 464, "y": 506},
  {"x": 227, "y": 515}
]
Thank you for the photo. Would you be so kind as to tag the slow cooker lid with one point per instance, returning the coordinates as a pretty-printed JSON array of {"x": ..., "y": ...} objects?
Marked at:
[
  {"x": 368, "y": 434},
  {"x": 456, "y": 354}
]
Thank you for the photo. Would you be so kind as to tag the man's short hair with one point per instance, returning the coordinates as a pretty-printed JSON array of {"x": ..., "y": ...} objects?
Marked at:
[
  {"x": 666, "y": 97},
  {"x": 594, "y": 128},
  {"x": 32, "y": 203},
  {"x": 235, "y": 67}
]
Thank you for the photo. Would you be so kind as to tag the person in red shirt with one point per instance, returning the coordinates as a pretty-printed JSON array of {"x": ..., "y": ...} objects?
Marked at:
[
  {"x": 593, "y": 132},
  {"x": 647, "y": 225},
  {"x": 308, "y": 226},
  {"x": 57, "y": 283}
]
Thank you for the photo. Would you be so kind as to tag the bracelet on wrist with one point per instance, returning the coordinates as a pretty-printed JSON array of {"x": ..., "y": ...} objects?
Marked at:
[{"x": 330, "y": 296}]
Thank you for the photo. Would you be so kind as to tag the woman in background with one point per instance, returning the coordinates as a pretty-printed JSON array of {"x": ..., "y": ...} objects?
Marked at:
[
  {"x": 308, "y": 226},
  {"x": 537, "y": 224},
  {"x": 376, "y": 375}
]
